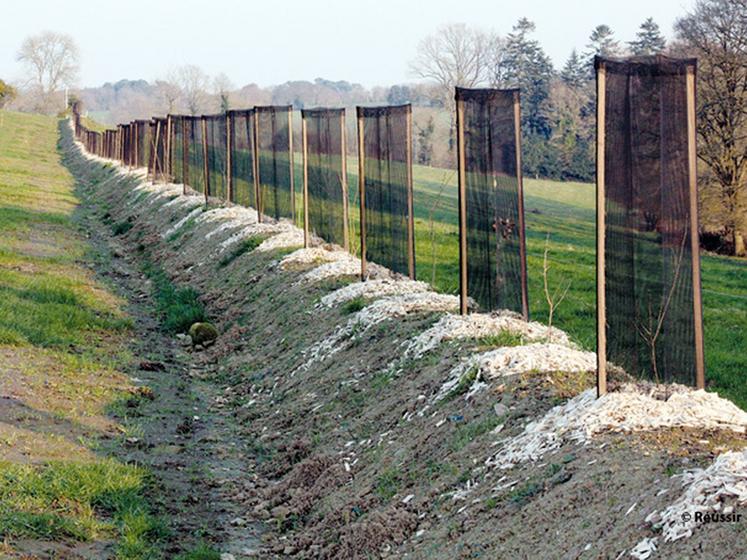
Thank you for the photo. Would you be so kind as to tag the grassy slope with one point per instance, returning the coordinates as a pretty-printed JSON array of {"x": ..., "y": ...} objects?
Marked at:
[
  {"x": 566, "y": 212},
  {"x": 62, "y": 340}
]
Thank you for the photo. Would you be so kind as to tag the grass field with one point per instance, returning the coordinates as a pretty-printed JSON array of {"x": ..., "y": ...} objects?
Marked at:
[{"x": 63, "y": 346}]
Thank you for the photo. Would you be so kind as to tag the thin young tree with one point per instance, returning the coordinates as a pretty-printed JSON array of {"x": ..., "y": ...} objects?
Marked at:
[{"x": 194, "y": 84}]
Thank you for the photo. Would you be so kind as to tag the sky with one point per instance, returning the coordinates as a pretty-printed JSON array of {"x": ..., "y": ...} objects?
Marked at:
[{"x": 272, "y": 41}]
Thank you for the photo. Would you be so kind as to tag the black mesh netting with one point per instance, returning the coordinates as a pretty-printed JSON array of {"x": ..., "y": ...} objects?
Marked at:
[
  {"x": 176, "y": 157},
  {"x": 243, "y": 189},
  {"x": 142, "y": 153},
  {"x": 276, "y": 189},
  {"x": 156, "y": 161},
  {"x": 648, "y": 257},
  {"x": 387, "y": 185},
  {"x": 195, "y": 172},
  {"x": 327, "y": 199},
  {"x": 494, "y": 226},
  {"x": 127, "y": 144},
  {"x": 216, "y": 152}
]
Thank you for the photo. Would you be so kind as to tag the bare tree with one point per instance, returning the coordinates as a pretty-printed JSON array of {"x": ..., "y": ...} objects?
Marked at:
[
  {"x": 194, "y": 84},
  {"x": 716, "y": 32},
  {"x": 169, "y": 92},
  {"x": 456, "y": 55},
  {"x": 51, "y": 60},
  {"x": 222, "y": 86}
]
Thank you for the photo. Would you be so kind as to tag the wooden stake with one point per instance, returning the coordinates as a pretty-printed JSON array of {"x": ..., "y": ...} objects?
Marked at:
[
  {"x": 292, "y": 170},
  {"x": 520, "y": 193},
  {"x": 205, "y": 167},
  {"x": 601, "y": 295},
  {"x": 694, "y": 235},
  {"x": 257, "y": 178},
  {"x": 362, "y": 190},
  {"x": 462, "y": 173},
  {"x": 344, "y": 182},
  {"x": 305, "y": 150},
  {"x": 229, "y": 158},
  {"x": 410, "y": 217},
  {"x": 185, "y": 153}
]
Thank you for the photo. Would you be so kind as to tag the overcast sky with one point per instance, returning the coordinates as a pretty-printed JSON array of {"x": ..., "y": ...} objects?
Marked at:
[{"x": 270, "y": 42}]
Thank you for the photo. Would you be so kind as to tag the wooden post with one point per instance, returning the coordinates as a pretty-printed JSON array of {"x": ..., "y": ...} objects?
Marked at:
[
  {"x": 305, "y": 150},
  {"x": 520, "y": 193},
  {"x": 694, "y": 235},
  {"x": 344, "y": 182},
  {"x": 410, "y": 216},
  {"x": 257, "y": 178},
  {"x": 362, "y": 190},
  {"x": 185, "y": 153},
  {"x": 292, "y": 170},
  {"x": 229, "y": 162},
  {"x": 154, "y": 151},
  {"x": 601, "y": 295},
  {"x": 167, "y": 153},
  {"x": 462, "y": 173},
  {"x": 205, "y": 167}
]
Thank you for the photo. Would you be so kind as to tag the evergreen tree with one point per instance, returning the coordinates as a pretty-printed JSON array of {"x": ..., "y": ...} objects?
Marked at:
[
  {"x": 574, "y": 72},
  {"x": 524, "y": 64},
  {"x": 648, "y": 40},
  {"x": 602, "y": 43},
  {"x": 425, "y": 142}
]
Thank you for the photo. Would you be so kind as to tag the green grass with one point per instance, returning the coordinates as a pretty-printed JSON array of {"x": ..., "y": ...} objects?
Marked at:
[
  {"x": 245, "y": 246},
  {"x": 179, "y": 308},
  {"x": 201, "y": 552},
  {"x": 63, "y": 336},
  {"x": 79, "y": 501}
]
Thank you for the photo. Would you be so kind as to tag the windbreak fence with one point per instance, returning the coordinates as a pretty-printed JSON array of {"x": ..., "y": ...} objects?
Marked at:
[
  {"x": 242, "y": 157},
  {"x": 274, "y": 140},
  {"x": 325, "y": 175},
  {"x": 650, "y": 318},
  {"x": 385, "y": 183},
  {"x": 491, "y": 207}
]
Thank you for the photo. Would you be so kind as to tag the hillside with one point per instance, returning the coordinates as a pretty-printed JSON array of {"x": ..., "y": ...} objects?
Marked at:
[{"x": 375, "y": 423}]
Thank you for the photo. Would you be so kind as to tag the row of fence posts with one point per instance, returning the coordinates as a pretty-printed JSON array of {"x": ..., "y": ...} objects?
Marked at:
[{"x": 645, "y": 167}]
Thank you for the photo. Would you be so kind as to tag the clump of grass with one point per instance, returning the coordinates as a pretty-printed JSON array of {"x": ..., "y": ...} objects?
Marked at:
[
  {"x": 245, "y": 246},
  {"x": 179, "y": 308},
  {"x": 466, "y": 433},
  {"x": 79, "y": 501},
  {"x": 121, "y": 228},
  {"x": 525, "y": 492},
  {"x": 354, "y": 305},
  {"x": 201, "y": 552},
  {"x": 388, "y": 483},
  {"x": 503, "y": 338},
  {"x": 465, "y": 382}
]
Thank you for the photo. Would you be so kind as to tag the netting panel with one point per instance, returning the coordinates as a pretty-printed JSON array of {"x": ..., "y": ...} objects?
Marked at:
[
  {"x": 495, "y": 263},
  {"x": 176, "y": 157},
  {"x": 216, "y": 151},
  {"x": 387, "y": 186},
  {"x": 195, "y": 156},
  {"x": 276, "y": 189},
  {"x": 243, "y": 190},
  {"x": 326, "y": 182},
  {"x": 649, "y": 289}
]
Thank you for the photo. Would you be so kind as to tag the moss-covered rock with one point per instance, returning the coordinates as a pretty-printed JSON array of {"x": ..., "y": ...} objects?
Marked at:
[{"x": 203, "y": 334}]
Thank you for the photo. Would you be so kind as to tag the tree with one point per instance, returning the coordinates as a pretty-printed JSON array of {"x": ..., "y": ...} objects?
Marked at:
[
  {"x": 648, "y": 40},
  {"x": 456, "y": 55},
  {"x": 193, "y": 83},
  {"x": 574, "y": 73},
  {"x": 399, "y": 95},
  {"x": 51, "y": 61},
  {"x": 223, "y": 86},
  {"x": 601, "y": 43},
  {"x": 716, "y": 32},
  {"x": 425, "y": 142},
  {"x": 7, "y": 93},
  {"x": 169, "y": 93}
]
